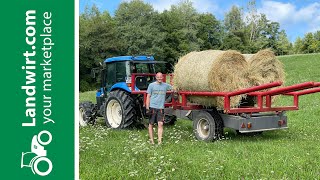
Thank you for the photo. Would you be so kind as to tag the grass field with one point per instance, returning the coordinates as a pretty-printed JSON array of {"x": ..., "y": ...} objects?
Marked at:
[{"x": 285, "y": 154}]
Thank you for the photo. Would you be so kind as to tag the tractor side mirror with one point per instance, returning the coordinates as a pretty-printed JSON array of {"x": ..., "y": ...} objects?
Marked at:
[{"x": 94, "y": 71}]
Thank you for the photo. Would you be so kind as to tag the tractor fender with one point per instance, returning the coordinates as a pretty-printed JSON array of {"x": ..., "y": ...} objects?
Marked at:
[{"x": 122, "y": 86}]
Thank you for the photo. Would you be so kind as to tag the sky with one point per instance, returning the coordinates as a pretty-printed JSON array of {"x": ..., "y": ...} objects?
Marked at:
[{"x": 296, "y": 17}]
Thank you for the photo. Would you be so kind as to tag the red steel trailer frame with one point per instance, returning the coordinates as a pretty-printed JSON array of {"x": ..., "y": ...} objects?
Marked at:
[
  {"x": 295, "y": 91},
  {"x": 261, "y": 117}
]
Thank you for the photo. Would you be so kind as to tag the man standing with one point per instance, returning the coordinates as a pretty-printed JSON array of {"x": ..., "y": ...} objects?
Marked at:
[{"x": 155, "y": 105}]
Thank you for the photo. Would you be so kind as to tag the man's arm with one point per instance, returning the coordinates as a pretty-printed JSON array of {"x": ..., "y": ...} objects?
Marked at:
[
  {"x": 148, "y": 101},
  {"x": 149, "y": 91}
]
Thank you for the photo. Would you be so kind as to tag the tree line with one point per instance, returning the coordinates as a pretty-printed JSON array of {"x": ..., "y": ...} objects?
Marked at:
[{"x": 137, "y": 29}]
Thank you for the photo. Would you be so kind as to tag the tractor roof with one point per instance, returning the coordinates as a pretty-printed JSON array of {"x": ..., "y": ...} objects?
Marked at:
[{"x": 129, "y": 58}]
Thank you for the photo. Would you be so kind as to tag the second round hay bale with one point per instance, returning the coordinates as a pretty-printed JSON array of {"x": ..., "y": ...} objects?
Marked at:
[
  {"x": 264, "y": 67},
  {"x": 211, "y": 70}
]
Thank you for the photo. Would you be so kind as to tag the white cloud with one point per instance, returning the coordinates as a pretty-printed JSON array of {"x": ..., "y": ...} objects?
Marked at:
[
  {"x": 289, "y": 15},
  {"x": 315, "y": 25},
  {"x": 277, "y": 11}
]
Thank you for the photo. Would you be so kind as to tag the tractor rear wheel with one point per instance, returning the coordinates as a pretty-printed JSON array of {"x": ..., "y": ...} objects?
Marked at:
[
  {"x": 208, "y": 126},
  {"x": 120, "y": 110}
]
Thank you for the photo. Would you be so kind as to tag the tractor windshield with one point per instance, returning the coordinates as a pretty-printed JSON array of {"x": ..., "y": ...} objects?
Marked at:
[{"x": 142, "y": 68}]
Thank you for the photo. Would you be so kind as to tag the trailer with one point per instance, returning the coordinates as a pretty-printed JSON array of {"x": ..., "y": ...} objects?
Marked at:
[{"x": 209, "y": 122}]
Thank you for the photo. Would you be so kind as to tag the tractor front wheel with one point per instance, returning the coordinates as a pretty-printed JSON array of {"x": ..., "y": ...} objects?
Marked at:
[{"x": 120, "y": 112}]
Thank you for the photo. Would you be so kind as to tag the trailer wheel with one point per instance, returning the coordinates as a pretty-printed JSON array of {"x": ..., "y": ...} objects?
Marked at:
[
  {"x": 208, "y": 126},
  {"x": 218, "y": 122},
  {"x": 85, "y": 109},
  {"x": 120, "y": 112}
]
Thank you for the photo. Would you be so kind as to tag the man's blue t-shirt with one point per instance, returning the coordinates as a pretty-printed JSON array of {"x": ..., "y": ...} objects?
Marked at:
[{"x": 158, "y": 94}]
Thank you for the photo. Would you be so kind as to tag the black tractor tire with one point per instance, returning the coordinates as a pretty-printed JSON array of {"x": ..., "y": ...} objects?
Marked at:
[
  {"x": 85, "y": 112},
  {"x": 169, "y": 120},
  {"x": 120, "y": 110},
  {"x": 208, "y": 126}
]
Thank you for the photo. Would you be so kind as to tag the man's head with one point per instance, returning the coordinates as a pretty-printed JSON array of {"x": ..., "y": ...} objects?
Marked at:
[{"x": 159, "y": 77}]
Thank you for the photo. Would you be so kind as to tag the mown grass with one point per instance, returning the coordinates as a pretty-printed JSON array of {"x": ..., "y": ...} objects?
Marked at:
[{"x": 285, "y": 154}]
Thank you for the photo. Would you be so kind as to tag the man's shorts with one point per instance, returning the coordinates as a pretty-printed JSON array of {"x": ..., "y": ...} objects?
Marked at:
[{"x": 156, "y": 115}]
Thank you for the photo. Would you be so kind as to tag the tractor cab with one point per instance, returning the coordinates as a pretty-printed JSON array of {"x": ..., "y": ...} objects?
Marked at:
[
  {"x": 121, "y": 77},
  {"x": 119, "y": 70}
]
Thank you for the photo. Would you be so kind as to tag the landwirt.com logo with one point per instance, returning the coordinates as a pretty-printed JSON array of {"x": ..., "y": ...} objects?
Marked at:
[{"x": 37, "y": 159}]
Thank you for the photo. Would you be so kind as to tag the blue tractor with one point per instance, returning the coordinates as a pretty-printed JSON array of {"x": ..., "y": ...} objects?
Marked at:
[{"x": 116, "y": 100}]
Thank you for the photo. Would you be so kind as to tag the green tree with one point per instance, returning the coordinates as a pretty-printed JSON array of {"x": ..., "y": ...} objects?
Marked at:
[
  {"x": 253, "y": 21},
  {"x": 307, "y": 43},
  {"x": 209, "y": 31},
  {"x": 137, "y": 28},
  {"x": 316, "y": 42},
  {"x": 231, "y": 41},
  {"x": 297, "y": 47},
  {"x": 233, "y": 20},
  {"x": 283, "y": 44},
  {"x": 272, "y": 33},
  {"x": 235, "y": 35},
  {"x": 260, "y": 39},
  {"x": 96, "y": 42},
  {"x": 181, "y": 27}
]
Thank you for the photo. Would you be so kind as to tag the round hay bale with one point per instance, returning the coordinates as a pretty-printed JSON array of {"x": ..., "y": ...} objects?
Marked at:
[
  {"x": 264, "y": 67},
  {"x": 211, "y": 70},
  {"x": 177, "y": 78}
]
